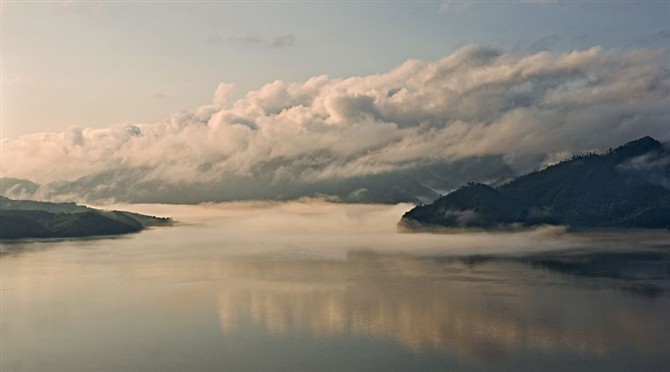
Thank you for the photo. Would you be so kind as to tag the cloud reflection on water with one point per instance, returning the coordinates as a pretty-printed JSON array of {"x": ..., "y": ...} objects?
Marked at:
[
  {"x": 259, "y": 282},
  {"x": 475, "y": 311}
]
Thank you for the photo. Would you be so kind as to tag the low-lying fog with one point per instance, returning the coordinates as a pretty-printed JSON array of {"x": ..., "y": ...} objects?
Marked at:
[
  {"x": 314, "y": 227},
  {"x": 310, "y": 285}
]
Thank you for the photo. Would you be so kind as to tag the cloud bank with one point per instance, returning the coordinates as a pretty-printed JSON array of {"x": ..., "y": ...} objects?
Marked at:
[{"x": 476, "y": 106}]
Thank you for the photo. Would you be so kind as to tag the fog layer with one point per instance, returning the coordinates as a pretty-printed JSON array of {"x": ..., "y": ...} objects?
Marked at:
[{"x": 256, "y": 285}]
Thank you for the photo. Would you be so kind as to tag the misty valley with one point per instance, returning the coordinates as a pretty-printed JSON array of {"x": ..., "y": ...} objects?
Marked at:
[
  {"x": 312, "y": 285},
  {"x": 567, "y": 267},
  {"x": 308, "y": 185},
  {"x": 625, "y": 188}
]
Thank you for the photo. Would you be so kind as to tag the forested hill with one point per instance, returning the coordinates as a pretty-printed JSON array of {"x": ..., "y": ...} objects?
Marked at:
[
  {"x": 627, "y": 187},
  {"x": 32, "y": 219}
]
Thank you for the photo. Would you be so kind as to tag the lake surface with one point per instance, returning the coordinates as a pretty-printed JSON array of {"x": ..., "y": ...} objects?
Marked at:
[{"x": 312, "y": 286}]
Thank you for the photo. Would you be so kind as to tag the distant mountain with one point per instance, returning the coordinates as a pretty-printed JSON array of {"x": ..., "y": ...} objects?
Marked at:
[
  {"x": 31, "y": 219},
  {"x": 628, "y": 187},
  {"x": 414, "y": 183}
]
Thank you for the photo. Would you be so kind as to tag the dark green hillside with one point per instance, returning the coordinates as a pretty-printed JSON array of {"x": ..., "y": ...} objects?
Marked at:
[
  {"x": 624, "y": 188},
  {"x": 31, "y": 219}
]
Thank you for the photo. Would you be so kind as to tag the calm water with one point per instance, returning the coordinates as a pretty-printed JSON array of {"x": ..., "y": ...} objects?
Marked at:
[{"x": 316, "y": 287}]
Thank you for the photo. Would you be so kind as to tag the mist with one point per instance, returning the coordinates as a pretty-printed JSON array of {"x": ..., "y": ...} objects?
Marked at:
[
  {"x": 252, "y": 282},
  {"x": 318, "y": 228}
]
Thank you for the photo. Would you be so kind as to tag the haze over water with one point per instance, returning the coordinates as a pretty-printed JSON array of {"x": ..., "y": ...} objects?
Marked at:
[
  {"x": 188, "y": 102},
  {"x": 309, "y": 285}
]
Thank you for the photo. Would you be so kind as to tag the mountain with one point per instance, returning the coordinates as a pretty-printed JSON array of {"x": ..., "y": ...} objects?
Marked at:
[
  {"x": 31, "y": 219},
  {"x": 627, "y": 187},
  {"x": 415, "y": 182}
]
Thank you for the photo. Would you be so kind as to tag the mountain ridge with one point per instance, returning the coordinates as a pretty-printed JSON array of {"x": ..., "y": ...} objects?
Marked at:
[
  {"x": 625, "y": 187},
  {"x": 22, "y": 219}
]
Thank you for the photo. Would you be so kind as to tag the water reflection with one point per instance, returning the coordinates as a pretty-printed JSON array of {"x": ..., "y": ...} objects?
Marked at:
[
  {"x": 479, "y": 311},
  {"x": 309, "y": 286}
]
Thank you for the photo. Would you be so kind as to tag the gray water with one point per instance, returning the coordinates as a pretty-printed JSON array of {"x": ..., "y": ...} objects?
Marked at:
[{"x": 312, "y": 286}]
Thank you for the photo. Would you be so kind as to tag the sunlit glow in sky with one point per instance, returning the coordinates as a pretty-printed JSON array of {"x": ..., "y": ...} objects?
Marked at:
[{"x": 97, "y": 63}]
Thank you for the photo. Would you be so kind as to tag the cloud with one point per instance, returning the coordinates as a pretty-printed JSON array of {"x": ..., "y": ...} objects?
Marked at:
[
  {"x": 283, "y": 41},
  {"x": 653, "y": 167},
  {"x": 288, "y": 138},
  {"x": 455, "y": 7},
  {"x": 279, "y": 41},
  {"x": 254, "y": 40}
]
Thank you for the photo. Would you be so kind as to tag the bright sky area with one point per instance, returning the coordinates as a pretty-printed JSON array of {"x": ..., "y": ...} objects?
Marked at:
[{"x": 96, "y": 63}]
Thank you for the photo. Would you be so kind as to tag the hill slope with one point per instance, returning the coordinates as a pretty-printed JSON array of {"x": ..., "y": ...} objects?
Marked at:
[
  {"x": 31, "y": 219},
  {"x": 627, "y": 187}
]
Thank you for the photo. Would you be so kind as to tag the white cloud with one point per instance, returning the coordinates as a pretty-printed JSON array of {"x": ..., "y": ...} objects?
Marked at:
[
  {"x": 456, "y": 7},
  {"x": 476, "y": 101}
]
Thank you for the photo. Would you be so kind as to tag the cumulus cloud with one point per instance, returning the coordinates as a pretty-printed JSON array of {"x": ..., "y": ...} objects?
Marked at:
[{"x": 477, "y": 102}]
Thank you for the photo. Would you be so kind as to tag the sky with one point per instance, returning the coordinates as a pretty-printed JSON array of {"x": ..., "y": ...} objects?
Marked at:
[
  {"x": 257, "y": 97},
  {"x": 97, "y": 63}
]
